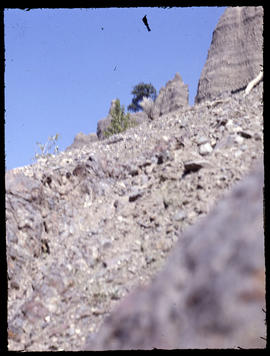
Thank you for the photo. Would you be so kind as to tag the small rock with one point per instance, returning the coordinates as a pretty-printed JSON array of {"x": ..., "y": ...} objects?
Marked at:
[
  {"x": 194, "y": 166},
  {"x": 238, "y": 139},
  {"x": 179, "y": 216},
  {"x": 201, "y": 140},
  {"x": 257, "y": 136},
  {"x": 134, "y": 196},
  {"x": 205, "y": 149},
  {"x": 245, "y": 134}
]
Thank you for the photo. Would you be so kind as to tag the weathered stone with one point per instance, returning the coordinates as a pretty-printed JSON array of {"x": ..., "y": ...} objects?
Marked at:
[
  {"x": 236, "y": 54},
  {"x": 174, "y": 96},
  {"x": 102, "y": 126},
  {"x": 195, "y": 165},
  {"x": 170, "y": 98},
  {"x": 205, "y": 149},
  {"x": 76, "y": 244},
  {"x": 211, "y": 293},
  {"x": 81, "y": 139}
]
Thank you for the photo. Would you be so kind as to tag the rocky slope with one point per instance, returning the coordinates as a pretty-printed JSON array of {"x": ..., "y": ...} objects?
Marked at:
[
  {"x": 93, "y": 224},
  {"x": 235, "y": 55},
  {"x": 88, "y": 226}
]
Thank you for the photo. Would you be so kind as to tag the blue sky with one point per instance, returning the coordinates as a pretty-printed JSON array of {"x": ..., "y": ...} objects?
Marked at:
[{"x": 63, "y": 67}]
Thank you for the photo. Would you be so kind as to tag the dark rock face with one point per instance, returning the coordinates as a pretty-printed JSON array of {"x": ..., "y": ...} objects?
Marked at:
[
  {"x": 212, "y": 290},
  {"x": 235, "y": 55},
  {"x": 81, "y": 139}
]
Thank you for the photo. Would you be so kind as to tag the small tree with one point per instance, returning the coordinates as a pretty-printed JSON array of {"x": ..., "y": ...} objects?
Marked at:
[
  {"x": 120, "y": 121},
  {"x": 139, "y": 91}
]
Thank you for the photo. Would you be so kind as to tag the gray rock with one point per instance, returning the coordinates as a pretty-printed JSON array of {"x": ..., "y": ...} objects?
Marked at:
[
  {"x": 235, "y": 55},
  {"x": 212, "y": 290},
  {"x": 205, "y": 149},
  {"x": 102, "y": 126},
  {"x": 81, "y": 139},
  {"x": 139, "y": 117},
  {"x": 171, "y": 97}
]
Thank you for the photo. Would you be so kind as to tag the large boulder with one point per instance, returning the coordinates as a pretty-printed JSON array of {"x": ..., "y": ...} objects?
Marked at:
[
  {"x": 211, "y": 293},
  {"x": 235, "y": 55}
]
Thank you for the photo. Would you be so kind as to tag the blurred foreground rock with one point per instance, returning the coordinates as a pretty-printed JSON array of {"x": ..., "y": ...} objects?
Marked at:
[{"x": 211, "y": 294}]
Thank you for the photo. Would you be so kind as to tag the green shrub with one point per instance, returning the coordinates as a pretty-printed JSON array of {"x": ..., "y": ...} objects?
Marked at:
[{"x": 120, "y": 121}]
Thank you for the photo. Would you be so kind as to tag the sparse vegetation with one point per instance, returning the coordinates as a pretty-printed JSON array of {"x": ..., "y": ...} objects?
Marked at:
[
  {"x": 148, "y": 106},
  {"x": 49, "y": 148},
  {"x": 120, "y": 121}
]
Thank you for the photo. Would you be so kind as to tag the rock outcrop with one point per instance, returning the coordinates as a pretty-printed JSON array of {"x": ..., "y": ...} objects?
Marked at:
[
  {"x": 235, "y": 56},
  {"x": 211, "y": 293},
  {"x": 82, "y": 139},
  {"x": 103, "y": 124},
  {"x": 172, "y": 97},
  {"x": 86, "y": 227}
]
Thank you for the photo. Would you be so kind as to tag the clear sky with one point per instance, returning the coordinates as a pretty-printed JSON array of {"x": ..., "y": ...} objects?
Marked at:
[{"x": 63, "y": 67}]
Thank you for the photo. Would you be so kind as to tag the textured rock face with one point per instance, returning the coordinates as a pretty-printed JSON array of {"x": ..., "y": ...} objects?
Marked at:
[
  {"x": 81, "y": 139},
  {"x": 173, "y": 97},
  {"x": 235, "y": 54},
  {"x": 212, "y": 290},
  {"x": 87, "y": 226}
]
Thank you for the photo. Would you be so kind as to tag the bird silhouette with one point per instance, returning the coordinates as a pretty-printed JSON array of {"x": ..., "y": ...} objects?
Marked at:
[{"x": 144, "y": 19}]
